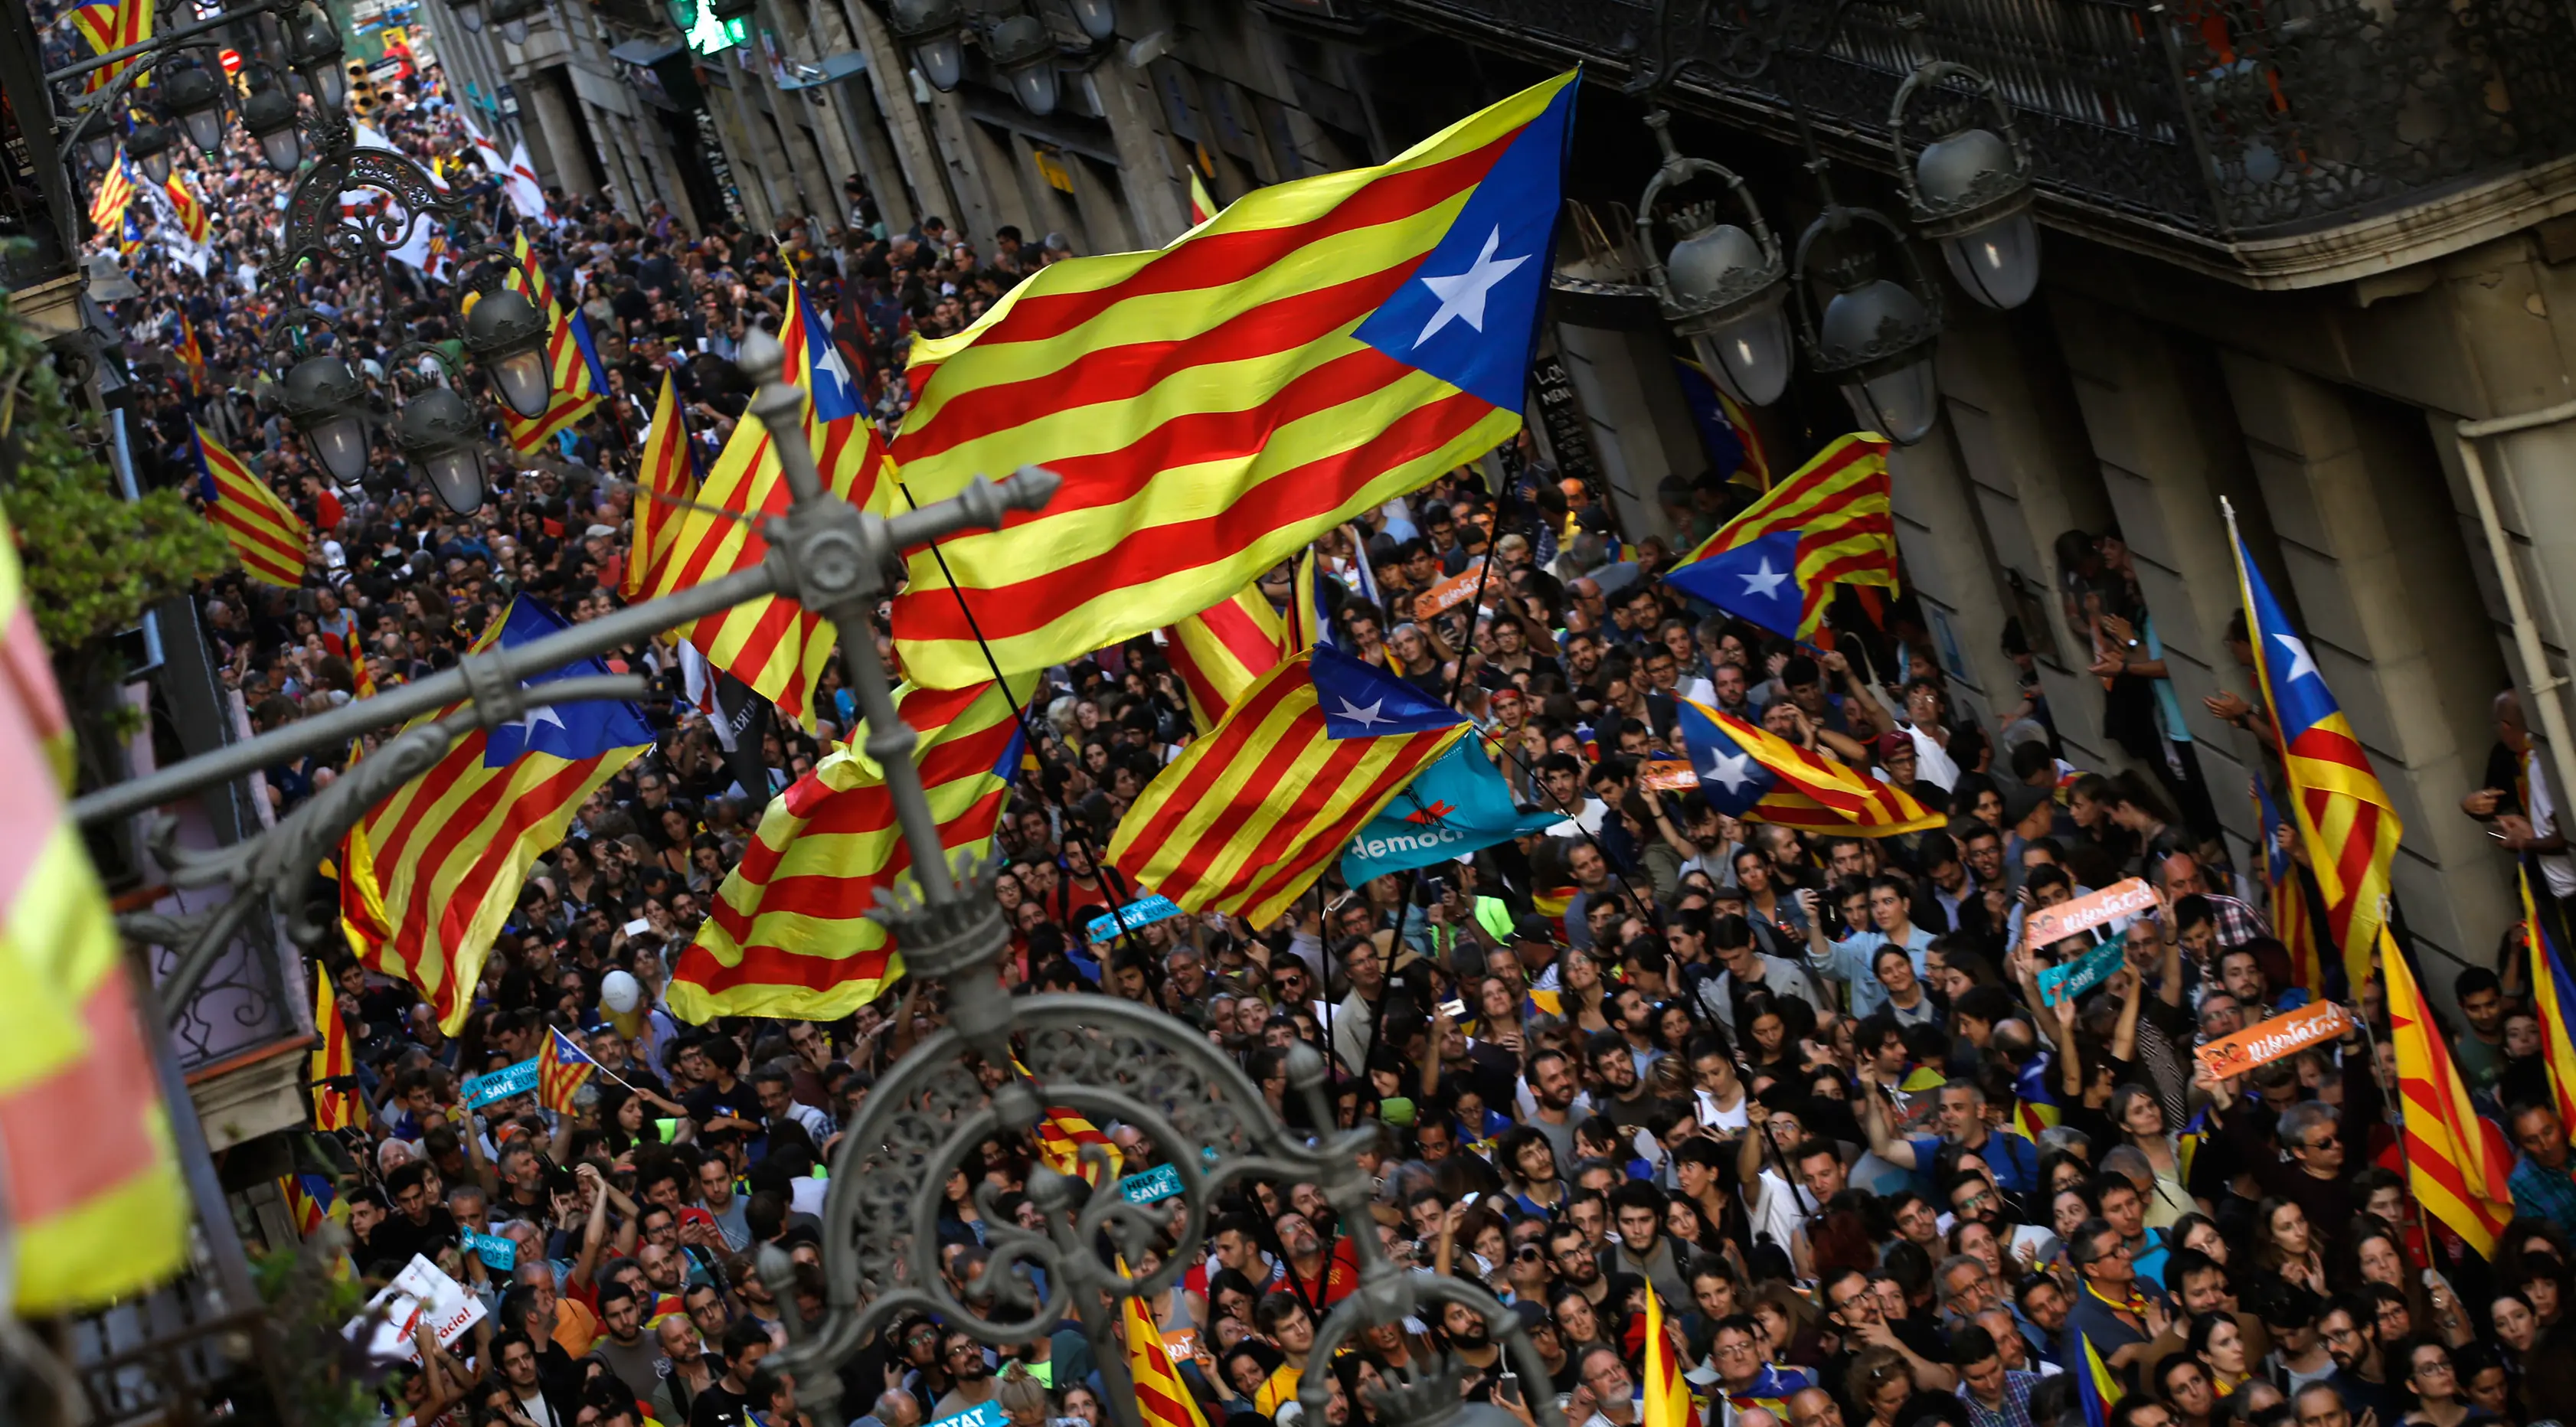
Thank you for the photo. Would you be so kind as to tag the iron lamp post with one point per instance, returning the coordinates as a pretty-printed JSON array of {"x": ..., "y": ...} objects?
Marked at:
[
  {"x": 1970, "y": 188},
  {"x": 1724, "y": 288}
]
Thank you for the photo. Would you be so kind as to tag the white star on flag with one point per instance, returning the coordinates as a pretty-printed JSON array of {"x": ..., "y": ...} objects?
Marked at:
[
  {"x": 2301, "y": 666},
  {"x": 1365, "y": 716},
  {"x": 1730, "y": 772},
  {"x": 1462, "y": 295},
  {"x": 537, "y": 714},
  {"x": 1765, "y": 581}
]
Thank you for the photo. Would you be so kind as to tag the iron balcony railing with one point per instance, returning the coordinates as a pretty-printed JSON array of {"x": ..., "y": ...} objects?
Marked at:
[{"x": 2225, "y": 119}]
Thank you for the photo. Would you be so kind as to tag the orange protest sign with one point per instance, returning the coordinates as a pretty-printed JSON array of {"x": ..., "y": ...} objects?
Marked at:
[
  {"x": 2286, "y": 1034},
  {"x": 1181, "y": 1343},
  {"x": 1667, "y": 775},
  {"x": 1448, "y": 594},
  {"x": 2121, "y": 899}
]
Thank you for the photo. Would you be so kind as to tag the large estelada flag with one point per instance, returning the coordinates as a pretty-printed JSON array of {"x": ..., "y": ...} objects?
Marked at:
[
  {"x": 1778, "y": 562},
  {"x": 115, "y": 193},
  {"x": 1754, "y": 774},
  {"x": 572, "y": 362},
  {"x": 96, "y": 1206},
  {"x": 1317, "y": 348},
  {"x": 2343, "y": 814},
  {"x": 787, "y": 933},
  {"x": 1249, "y": 816},
  {"x": 2457, "y": 1164},
  {"x": 774, "y": 645},
  {"x": 449, "y": 851},
  {"x": 265, "y": 533}
]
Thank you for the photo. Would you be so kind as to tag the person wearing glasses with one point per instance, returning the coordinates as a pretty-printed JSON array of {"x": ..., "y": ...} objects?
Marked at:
[
  {"x": 2320, "y": 1141},
  {"x": 2361, "y": 1375},
  {"x": 2114, "y": 1311}
]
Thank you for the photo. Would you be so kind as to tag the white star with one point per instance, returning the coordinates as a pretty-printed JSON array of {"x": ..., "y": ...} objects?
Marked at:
[
  {"x": 537, "y": 714},
  {"x": 1365, "y": 716},
  {"x": 2301, "y": 666},
  {"x": 1462, "y": 295},
  {"x": 1765, "y": 581},
  {"x": 1730, "y": 772}
]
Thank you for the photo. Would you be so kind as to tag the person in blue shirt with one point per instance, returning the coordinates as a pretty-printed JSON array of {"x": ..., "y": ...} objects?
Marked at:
[
  {"x": 1965, "y": 1129},
  {"x": 1849, "y": 961}
]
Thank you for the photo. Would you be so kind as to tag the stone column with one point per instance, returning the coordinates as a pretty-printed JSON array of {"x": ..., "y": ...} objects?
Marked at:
[
  {"x": 1951, "y": 572},
  {"x": 2392, "y": 620}
]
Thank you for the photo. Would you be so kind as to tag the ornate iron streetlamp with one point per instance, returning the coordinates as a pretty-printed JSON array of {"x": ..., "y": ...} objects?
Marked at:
[
  {"x": 439, "y": 432},
  {"x": 322, "y": 398},
  {"x": 197, "y": 98},
  {"x": 505, "y": 334},
  {"x": 1724, "y": 289},
  {"x": 1970, "y": 188},
  {"x": 269, "y": 114},
  {"x": 1018, "y": 41}
]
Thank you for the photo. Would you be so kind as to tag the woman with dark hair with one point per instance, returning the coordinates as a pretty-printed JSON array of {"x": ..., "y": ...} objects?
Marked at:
[
  {"x": 2435, "y": 1380},
  {"x": 2183, "y": 1384},
  {"x": 2372, "y": 1256},
  {"x": 2219, "y": 1344},
  {"x": 2285, "y": 1243}
]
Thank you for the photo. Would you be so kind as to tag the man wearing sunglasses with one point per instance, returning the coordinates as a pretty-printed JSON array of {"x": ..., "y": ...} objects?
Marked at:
[{"x": 2317, "y": 1144}]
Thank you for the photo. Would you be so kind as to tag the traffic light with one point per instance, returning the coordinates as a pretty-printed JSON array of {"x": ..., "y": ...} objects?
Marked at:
[{"x": 364, "y": 93}]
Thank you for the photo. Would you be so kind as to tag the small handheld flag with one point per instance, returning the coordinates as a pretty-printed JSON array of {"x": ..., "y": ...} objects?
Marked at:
[
  {"x": 1668, "y": 1398},
  {"x": 562, "y": 1067},
  {"x": 1778, "y": 562},
  {"x": 2555, "y": 991},
  {"x": 1754, "y": 774}
]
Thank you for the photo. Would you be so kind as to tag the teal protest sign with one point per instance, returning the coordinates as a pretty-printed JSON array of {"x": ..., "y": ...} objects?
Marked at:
[
  {"x": 1143, "y": 912},
  {"x": 1160, "y": 1182},
  {"x": 2061, "y": 983},
  {"x": 498, "y": 1254},
  {"x": 1452, "y": 808},
  {"x": 501, "y": 1084}
]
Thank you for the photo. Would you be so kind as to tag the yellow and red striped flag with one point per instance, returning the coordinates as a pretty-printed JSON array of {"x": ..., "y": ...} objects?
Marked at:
[
  {"x": 2457, "y": 1164},
  {"x": 1668, "y": 1398},
  {"x": 111, "y": 26},
  {"x": 665, "y": 472},
  {"x": 2287, "y": 900},
  {"x": 1162, "y": 1398},
  {"x": 571, "y": 366},
  {"x": 2554, "y": 994},
  {"x": 2344, "y": 815},
  {"x": 1202, "y": 207},
  {"x": 445, "y": 856},
  {"x": 115, "y": 192},
  {"x": 86, "y": 1163},
  {"x": 1249, "y": 816},
  {"x": 184, "y": 203},
  {"x": 1754, "y": 774},
  {"x": 775, "y": 645},
  {"x": 1219, "y": 651},
  {"x": 310, "y": 1200},
  {"x": 1778, "y": 562},
  {"x": 265, "y": 533},
  {"x": 1062, "y": 1134},
  {"x": 2097, "y": 1387},
  {"x": 787, "y": 934},
  {"x": 562, "y": 1068},
  {"x": 334, "y": 1106},
  {"x": 1317, "y": 348},
  {"x": 191, "y": 355}
]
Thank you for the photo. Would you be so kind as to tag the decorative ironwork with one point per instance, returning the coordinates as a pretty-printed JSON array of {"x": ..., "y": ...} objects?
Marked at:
[
  {"x": 2224, "y": 118},
  {"x": 316, "y": 224}
]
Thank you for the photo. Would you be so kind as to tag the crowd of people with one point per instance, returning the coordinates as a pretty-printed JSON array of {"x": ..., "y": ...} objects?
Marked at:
[{"x": 1803, "y": 1089}]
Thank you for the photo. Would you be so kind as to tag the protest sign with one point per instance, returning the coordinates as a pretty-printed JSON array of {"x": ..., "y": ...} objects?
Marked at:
[
  {"x": 2062, "y": 983},
  {"x": 2051, "y": 925},
  {"x": 509, "y": 1080},
  {"x": 1143, "y": 912},
  {"x": 1667, "y": 775},
  {"x": 2287, "y": 1034},
  {"x": 498, "y": 1254},
  {"x": 1160, "y": 1182},
  {"x": 420, "y": 1293},
  {"x": 1448, "y": 594}
]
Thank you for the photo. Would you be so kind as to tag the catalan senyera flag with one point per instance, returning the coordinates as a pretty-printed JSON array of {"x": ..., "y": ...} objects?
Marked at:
[
  {"x": 86, "y": 1163},
  {"x": 2343, "y": 814},
  {"x": 362, "y": 676},
  {"x": 562, "y": 1068},
  {"x": 2457, "y": 1164},
  {"x": 1778, "y": 562},
  {"x": 1062, "y": 1134},
  {"x": 2096, "y": 1385},
  {"x": 265, "y": 533},
  {"x": 2287, "y": 897},
  {"x": 1317, "y": 348},
  {"x": 572, "y": 366},
  {"x": 191, "y": 355},
  {"x": 1219, "y": 651},
  {"x": 665, "y": 472},
  {"x": 1668, "y": 1398},
  {"x": 775, "y": 645},
  {"x": 115, "y": 194},
  {"x": 445, "y": 856},
  {"x": 1754, "y": 774},
  {"x": 788, "y": 934},
  {"x": 111, "y": 26},
  {"x": 1249, "y": 816},
  {"x": 1202, "y": 207},
  {"x": 335, "y": 1107},
  {"x": 1162, "y": 1399},
  {"x": 184, "y": 202},
  {"x": 2554, "y": 991}
]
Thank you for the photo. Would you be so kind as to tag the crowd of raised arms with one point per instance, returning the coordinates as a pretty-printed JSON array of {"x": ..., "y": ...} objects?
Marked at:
[{"x": 1803, "y": 1089}]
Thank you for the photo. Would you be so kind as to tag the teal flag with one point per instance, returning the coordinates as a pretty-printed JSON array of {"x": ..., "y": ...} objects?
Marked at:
[{"x": 1455, "y": 806}]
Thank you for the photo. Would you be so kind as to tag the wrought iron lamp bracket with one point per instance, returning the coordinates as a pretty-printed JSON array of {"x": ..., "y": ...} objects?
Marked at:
[
  {"x": 314, "y": 226},
  {"x": 1743, "y": 289},
  {"x": 1890, "y": 344},
  {"x": 1999, "y": 196}
]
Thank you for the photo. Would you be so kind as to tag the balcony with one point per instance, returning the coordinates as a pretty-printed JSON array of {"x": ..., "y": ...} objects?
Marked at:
[{"x": 2273, "y": 143}]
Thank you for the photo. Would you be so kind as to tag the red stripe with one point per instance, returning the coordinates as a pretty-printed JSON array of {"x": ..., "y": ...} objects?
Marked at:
[
  {"x": 1166, "y": 810},
  {"x": 1268, "y": 780},
  {"x": 771, "y": 966},
  {"x": 1290, "y": 499},
  {"x": 1206, "y": 704},
  {"x": 1319, "y": 844},
  {"x": 84, "y": 1125},
  {"x": 433, "y": 785},
  {"x": 1219, "y": 260}
]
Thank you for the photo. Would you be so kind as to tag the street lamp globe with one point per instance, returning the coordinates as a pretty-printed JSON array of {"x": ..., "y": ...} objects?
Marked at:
[
  {"x": 506, "y": 336},
  {"x": 512, "y": 17},
  {"x": 313, "y": 49},
  {"x": 1973, "y": 174},
  {"x": 469, "y": 13},
  {"x": 98, "y": 142},
  {"x": 1744, "y": 342},
  {"x": 437, "y": 434},
  {"x": 1881, "y": 335},
  {"x": 1098, "y": 18},
  {"x": 933, "y": 31},
  {"x": 197, "y": 97},
  {"x": 149, "y": 145},
  {"x": 1024, "y": 51},
  {"x": 269, "y": 115},
  {"x": 322, "y": 400}
]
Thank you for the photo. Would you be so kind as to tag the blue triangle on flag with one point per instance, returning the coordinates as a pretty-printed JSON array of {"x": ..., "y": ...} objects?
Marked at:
[
  {"x": 1757, "y": 580},
  {"x": 1359, "y": 700},
  {"x": 1730, "y": 777},
  {"x": 571, "y": 731}
]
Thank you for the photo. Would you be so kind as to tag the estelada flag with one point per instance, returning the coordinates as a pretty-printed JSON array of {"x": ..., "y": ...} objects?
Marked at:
[
  {"x": 2457, "y": 1163},
  {"x": 267, "y": 536},
  {"x": 1754, "y": 774},
  {"x": 2555, "y": 992},
  {"x": 1248, "y": 817},
  {"x": 562, "y": 1068},
  {"x": 1778, "y": 562},
  {"x": 1315, "y": 349},
  {"x": 787, "y": 933},
  {"x": 576, "y": 381},
  {"x": 112, "y": 26}
]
